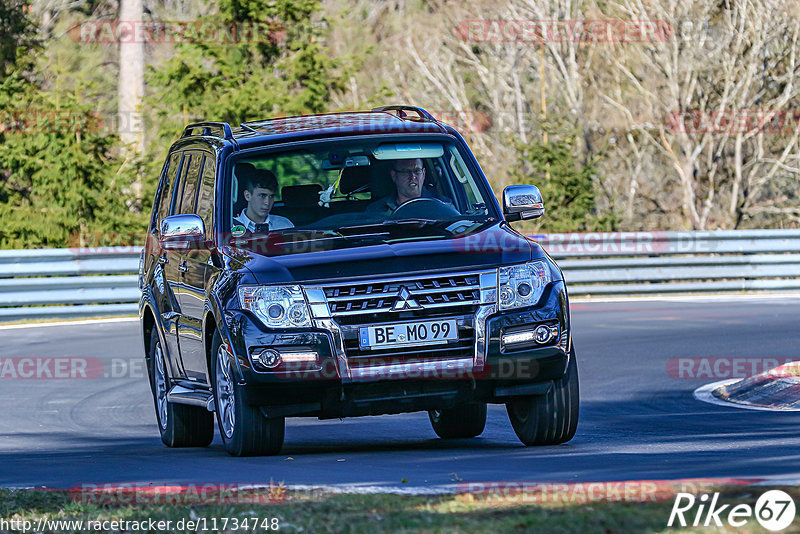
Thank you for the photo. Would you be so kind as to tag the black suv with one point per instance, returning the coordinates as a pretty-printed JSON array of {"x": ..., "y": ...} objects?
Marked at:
[{"x": 384, "y": 279}]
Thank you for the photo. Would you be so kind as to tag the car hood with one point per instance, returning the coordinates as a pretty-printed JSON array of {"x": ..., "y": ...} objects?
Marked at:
[{"x": 272, "y": 260}]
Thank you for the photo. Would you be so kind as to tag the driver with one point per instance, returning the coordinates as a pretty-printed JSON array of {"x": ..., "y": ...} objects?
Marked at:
[{"x": 408, "y": 176}]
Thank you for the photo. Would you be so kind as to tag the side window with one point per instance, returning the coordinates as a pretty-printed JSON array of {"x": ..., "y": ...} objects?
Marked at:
[
  {"x": 167, "y": 186},
  {"x": 205, "y": 197},
  {"x": 193, "y": 163}
]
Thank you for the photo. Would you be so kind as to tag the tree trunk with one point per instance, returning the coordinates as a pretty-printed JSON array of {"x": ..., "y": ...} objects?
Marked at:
[{"x": 131, "y": 75}]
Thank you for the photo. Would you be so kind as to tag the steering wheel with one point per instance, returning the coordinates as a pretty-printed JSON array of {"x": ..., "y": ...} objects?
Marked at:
[{"x": 424, "y": 208}]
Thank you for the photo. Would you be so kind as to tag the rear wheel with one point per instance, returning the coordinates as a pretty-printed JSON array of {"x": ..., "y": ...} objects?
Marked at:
[
  {"x": 245, "y": 431},
  {"x": 552, "y": 418},
  {"x": 180, "y": 425},
  {"x": 465, "y": 421}
]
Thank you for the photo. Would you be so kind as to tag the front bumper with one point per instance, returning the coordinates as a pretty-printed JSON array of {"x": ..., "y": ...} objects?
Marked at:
[{"x": 326, "y": 386}]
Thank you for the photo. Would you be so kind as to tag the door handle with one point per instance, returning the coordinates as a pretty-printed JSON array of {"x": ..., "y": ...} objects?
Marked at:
[{"x": 183, "y": 267}]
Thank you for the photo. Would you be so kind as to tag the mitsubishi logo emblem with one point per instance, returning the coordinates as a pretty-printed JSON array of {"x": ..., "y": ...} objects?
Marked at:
[{"x": 405, "y": 301}]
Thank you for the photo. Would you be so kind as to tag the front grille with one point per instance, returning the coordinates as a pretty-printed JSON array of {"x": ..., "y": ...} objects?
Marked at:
[{"x": 426, "y": 297}]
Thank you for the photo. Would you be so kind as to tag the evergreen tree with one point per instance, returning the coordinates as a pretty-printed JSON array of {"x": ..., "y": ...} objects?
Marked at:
[
  {"x": 61, "y": 178},
  {"x": 286, "y": 71},
  {"x": 567, "y": 185}
]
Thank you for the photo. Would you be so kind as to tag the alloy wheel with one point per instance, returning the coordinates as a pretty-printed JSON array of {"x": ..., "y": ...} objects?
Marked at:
[
  {"x": 224, "y": 391},
  {"x": 161, "y": 387}
]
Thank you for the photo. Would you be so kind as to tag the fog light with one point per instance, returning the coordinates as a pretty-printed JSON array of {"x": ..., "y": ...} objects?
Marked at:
[
  {"x": 518, "y": 337},
  {"x": 267, "y": 359},
  {"x": 541, "y": 335},
  {"x": 299, "y": 357}
]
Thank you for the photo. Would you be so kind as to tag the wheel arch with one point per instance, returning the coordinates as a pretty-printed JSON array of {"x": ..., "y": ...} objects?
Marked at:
[
  {"x": 209, "y": 328},
  {"x": 213, "y": 321},
  {"x": 148, "y": 324}
]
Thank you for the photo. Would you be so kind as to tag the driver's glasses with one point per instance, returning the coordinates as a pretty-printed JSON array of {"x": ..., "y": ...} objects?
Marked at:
[{"x": 407, "y": 174}]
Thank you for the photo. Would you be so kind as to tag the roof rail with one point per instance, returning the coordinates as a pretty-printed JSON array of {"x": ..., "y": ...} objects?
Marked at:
[
  {"x": 208, "y": 128},
  {"x": 401, "y": 109}
]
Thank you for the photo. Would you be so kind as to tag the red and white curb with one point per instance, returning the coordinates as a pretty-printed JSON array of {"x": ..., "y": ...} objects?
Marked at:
[{"x": 776, "y": 390}]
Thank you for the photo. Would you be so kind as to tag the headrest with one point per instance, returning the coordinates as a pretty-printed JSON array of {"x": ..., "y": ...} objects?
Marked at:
[
  {"x": 354, "y": 178},
  {"x": 381, "y": 184},
  {"x": 244, "y": 171},
  {"x": 241, "y": 174},
  {"x": 300, "y": 195}
]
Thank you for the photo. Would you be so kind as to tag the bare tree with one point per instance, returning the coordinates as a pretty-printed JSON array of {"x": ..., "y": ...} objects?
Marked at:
[
  {"x": 651, "y": 111},
  {"x": 726, "y": 63}
]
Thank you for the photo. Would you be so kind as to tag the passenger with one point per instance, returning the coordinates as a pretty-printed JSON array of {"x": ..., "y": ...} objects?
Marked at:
[{"x": 260, "y": 196}]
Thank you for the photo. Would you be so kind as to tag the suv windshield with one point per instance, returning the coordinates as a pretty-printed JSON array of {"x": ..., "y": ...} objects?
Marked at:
[{"x": 359, "y": 187}]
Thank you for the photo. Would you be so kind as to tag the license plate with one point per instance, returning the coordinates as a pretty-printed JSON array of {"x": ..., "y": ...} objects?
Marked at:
[{"x": 407, "y": 334}]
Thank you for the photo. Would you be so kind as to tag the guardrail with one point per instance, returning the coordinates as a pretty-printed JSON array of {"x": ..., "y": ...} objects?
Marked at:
[
  {"x": 72, "y": 283},
  {"x": 68, "y": 283},
  {"x": 647, "y": 263}
]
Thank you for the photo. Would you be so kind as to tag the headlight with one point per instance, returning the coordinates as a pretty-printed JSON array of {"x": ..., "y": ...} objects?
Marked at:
[
  {"x": 276, "y": 306},
  {"x": 523, "y": 285}
]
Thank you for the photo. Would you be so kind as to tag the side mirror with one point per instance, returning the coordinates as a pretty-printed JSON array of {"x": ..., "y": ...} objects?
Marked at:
[
  {"x": 182, "y": 232},
  {"x": 522, "y": 202}
]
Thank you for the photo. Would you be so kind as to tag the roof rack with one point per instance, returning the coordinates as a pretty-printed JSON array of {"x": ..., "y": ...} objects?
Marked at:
[
  {"x": 401, "y": 109},
  {"x": 208, "y": 129}
]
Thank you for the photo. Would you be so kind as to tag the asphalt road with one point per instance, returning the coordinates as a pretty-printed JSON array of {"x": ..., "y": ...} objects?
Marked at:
[{"x": 639, "y": 419}]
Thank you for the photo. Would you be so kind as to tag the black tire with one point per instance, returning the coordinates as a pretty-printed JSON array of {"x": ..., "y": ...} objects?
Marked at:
[
  {"x": 180, "y": 425},
  {"x": 552, "y": 418},
  {"x": 465, "y": 421},
  {"x": 249, "y": 433}
]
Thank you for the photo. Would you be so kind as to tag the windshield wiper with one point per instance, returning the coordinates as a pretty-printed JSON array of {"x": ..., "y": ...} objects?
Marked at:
[
  {"x": 416, "y": 220},
  {"x": 362, "y": 227}
]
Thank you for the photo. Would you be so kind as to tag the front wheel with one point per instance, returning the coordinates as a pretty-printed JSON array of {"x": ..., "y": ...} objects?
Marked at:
[
  {"x": 552, "y": 418},
  {"x": 465, "y": 421},
  {"x": 180, "y": 425},
  {"x": 245, "y": 431}
]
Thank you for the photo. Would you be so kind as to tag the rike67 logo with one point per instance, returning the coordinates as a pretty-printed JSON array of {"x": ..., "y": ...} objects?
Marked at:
[{"x": 774, "y": 511}]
